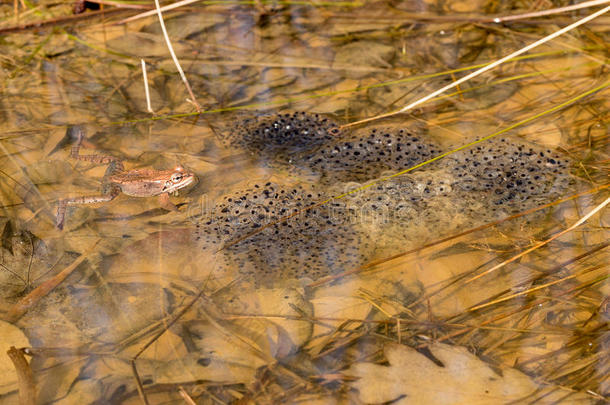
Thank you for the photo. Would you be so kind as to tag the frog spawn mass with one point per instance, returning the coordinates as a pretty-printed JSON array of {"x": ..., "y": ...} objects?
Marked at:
[
  {"x": 367, "y": 153},
  {"x": 284, "y": 235},
  {"x": 278, "y": 137},
  {"x": 510, "y": 171},
  {"x": 490, "y": 180},
  {"x": 314, "y": 143}
]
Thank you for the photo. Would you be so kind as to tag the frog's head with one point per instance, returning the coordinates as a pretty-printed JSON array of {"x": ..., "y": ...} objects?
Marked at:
[{"x": 178, "y": 179}]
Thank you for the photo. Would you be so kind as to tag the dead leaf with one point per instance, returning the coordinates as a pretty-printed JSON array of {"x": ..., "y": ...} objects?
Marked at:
[{"x": 463, "y": 378}]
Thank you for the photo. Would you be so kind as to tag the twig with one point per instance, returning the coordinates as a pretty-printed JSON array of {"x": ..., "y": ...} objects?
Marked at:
[
  {"x": 187, "y": 398},
  {"x": 25, "y": 378},
  {"x": 145, "y": 77},
  {"x": 141, "y": 393},
  {"x": 539, "y": 245},
  {"x": 169, "y": 324},
  {"x": 486, "y": 68},
  {"x": 193, "y": 100},
  {"x": 21, "y": 307}
]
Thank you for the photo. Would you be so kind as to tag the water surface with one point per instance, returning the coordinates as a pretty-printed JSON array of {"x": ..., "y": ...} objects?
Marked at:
[{"x": 299, "y": 310}]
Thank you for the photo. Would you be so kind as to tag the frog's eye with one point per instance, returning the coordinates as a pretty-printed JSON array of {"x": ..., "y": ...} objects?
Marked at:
[{"x": 177, "y": 177}]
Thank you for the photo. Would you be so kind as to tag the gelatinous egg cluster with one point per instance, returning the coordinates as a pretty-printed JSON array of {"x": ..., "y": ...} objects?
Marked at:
[
  {"x": 273, "y": 232},
  {"x": 282, "y": 135},
  {"x": 366, "y": 153},
  {"x": 410, "y": 208},
  {"x": 509, "y": 171},
  {"x": 311, "y": 243}
]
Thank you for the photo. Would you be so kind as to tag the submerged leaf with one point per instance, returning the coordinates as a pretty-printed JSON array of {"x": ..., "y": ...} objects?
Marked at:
[{"x": 453, "y": 376}]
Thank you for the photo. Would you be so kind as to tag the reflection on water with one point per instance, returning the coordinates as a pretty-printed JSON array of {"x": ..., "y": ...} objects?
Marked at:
[{"x": 299, "y": 268}]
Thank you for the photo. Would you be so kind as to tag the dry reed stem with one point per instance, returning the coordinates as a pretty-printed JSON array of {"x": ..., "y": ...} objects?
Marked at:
[
  {"x": 584, "y": 4},
  {"x": 139, "y": 385},
  {"x": 486, "y": 68},
  {"x": 187, "y": 398},
  {"x": 530, "y": 290},
  {"x": 532, "y": 304},
  {"x": 471, "y": 328},
  {"x": 545, "y": 242},
  {"x": 146, "y": 91},
  {"x": 193, "y": 99},
  {"x": 545, "y": 274},
  {"x": 158, "y": 10}
]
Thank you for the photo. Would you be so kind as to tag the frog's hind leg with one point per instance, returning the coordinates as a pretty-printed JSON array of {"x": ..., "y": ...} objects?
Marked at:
[
  {"x": 110, "y": 192},
  {"x": 63, "y": 204},
  {"x": 78, "y": 133}
]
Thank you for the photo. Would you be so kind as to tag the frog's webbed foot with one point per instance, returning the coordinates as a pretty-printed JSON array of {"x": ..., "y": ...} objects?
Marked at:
[
  {"x": 61, "y": 214},
  {"x": 166, "y": 203},
  {"x": 63, "y": 205}
]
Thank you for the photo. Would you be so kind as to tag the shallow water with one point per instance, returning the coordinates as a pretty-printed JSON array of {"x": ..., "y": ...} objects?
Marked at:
[{"x": 230, "y": 299}]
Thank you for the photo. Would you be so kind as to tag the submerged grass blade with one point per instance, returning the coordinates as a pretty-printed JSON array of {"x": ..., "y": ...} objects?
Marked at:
[
  {"x": 545, "y": 242},
  {"x": 530, "y": 290},
  {"x": 488, "y": 67}
]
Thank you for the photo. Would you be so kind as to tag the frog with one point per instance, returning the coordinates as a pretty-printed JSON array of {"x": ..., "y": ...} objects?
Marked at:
[{"x": 117, "y": 180}]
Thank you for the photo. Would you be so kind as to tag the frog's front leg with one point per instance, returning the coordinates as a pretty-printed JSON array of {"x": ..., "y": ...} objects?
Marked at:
[
  {"x": 166, "y": 203},
  {"x": 63, "y": 204}
]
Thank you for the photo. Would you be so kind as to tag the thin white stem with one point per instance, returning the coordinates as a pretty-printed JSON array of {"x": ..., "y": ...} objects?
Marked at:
[
  {"x": 584, "y": 4},
  {"x": 488, "y": 67},
  {"x": 144, "y": 75},
  {"x": 152, "y": 12},
  {"x": 193, "y": 100}
]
